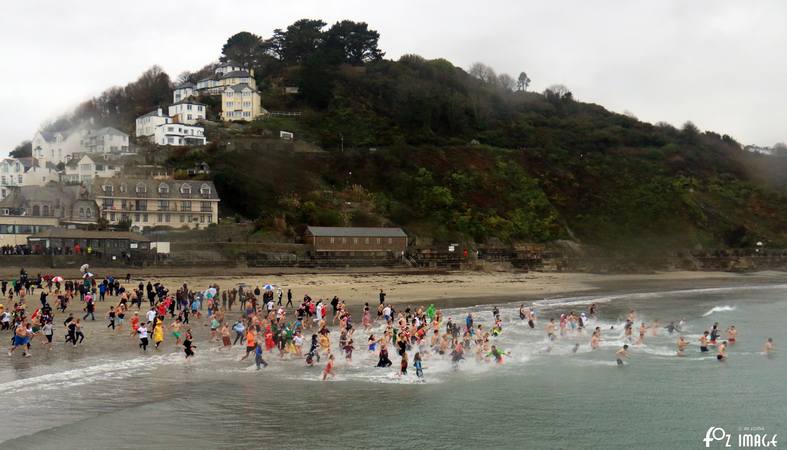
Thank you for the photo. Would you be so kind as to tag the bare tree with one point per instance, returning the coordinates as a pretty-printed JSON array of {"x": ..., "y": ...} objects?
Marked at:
[
  {"x": 483, "y": 73},
  {"x": 506, "y": 81},
  {"x": 558, "y": 92}
]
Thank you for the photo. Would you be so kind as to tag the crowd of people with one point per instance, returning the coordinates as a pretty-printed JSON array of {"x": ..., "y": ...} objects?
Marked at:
[{"x": 268, "y": 322}]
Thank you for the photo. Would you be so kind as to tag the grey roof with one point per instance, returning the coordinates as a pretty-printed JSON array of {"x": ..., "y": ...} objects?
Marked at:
[
  {"x": 62, "y": 233},
  {"x": 356, "y": 232},
  {"x": 152, "y": 113},
  {"x": 237, "y": 74},
  {"x": 239, "y": 87},
  {"x": 189, "y": 101},
  {"x": 108, "y": 130},
  {"x": 151, "y": 188},
  {"x": 184, "y": 85}
]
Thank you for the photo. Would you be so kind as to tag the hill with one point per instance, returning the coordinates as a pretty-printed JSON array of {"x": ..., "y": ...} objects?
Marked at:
[{"x": 454, "y": 155}]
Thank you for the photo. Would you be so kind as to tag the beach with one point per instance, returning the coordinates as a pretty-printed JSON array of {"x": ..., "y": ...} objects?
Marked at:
[{"x": 106, "y": 392}]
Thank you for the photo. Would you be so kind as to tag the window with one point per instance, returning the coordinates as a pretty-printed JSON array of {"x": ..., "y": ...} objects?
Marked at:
[
  {"x": 344, "y": 240},
  {"x": 185, "y": 189},
  {"x": 366, "y": 241},
  {"x": 185, "y": 206},
  {"x": 136, "y": 217},
  {"x": 45, "y": 210},
  {"x": 141, "y": 189},
  {"x": 19, "y": 178},
  {"x": 355, "y": 240},
  {"x": 163, "y": 205},
  {"x": 144, "y": 217},
  {"x": 81, "y": 213},
  {"x": 390, "y": 241},
  {"x": 204, "y": 189},
  {"x": 378, "y": 240},
  {"x": 163, "y": 188},
  {"x": 182, "y": 218},
  {"x": 205, "y": 207},
  {"x": 332, "y": 240},
  {"x": 112, "y": 216},
  {"x": 166, "y": 218},
  {"x": 123, "y": 187},
  {"x": 109, "y": 202},
  {"x": 160, "y": 218},
  {"x": 188, "y": 107}
]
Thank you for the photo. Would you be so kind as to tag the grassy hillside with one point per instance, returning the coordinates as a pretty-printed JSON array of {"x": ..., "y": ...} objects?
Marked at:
[{"x": 451, "y": 156}]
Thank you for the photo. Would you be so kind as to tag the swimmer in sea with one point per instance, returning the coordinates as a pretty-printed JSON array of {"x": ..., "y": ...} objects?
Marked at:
[
  {"x": 704, "y": 342},
  {"x": 551, "y": 329},
  {"x": 622, "y": 354},
  {"x": 671, "y": 328},
  {"x": 522, "y": 314},
  {"x": 682, "y": 344},
  {"x": 767, "y": 350},
  {"x": 721, "y": 350},
  {"x": 642, "y": 330},
  {"x": 732, "y": 334},
  {"x": 596, "y": 338},
  {"x": 576, "y": 347}
]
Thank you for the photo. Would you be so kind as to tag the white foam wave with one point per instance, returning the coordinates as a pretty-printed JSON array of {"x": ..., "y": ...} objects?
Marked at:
[{"x": 718, "y": 309}]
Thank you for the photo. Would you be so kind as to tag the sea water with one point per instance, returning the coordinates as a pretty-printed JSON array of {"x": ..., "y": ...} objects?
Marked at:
[{"x": 544, "y": 395}]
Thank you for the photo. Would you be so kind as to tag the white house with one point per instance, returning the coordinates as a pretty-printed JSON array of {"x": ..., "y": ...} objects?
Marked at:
[
  {"x": 187, "y": 111},
  {"x": 56, "y": 147},
  {"x": 183, "y": 91},
  {"x": 15, "y": 172},
  {"x": 179, "y": 134},
  {"x": 226, "y": 75},
  {"x": 229, "y": 66},
  {"x": 105, "y": 140},
  {"x": 146, "y": 125},
  {"x": 84, "y": 168}
]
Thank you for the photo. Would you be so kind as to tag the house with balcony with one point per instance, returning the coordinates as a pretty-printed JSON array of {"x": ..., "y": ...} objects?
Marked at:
[
  {"x": 179, "y": 134},
  {"x": 148, "y": 202},
  {"x": 240, "y": 102},
  {"x": 82, "y": 168},
  {"x": 146, "y": 124},
  {"x": 188, "y": 111},
  {"x": 183, "y": 91},
  {"x": 105, "y": 140},
  {"x": 16, "y": 172}
]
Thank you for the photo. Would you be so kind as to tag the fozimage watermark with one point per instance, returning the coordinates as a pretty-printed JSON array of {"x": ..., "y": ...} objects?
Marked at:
[{"x": 746, "y": 437}]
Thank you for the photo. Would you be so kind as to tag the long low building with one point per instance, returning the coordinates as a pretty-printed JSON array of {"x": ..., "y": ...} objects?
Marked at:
[
  {"x": 356, "y": 241},
  {"x": 14, "y": 230},
  {"x": 104, "y": 243}
]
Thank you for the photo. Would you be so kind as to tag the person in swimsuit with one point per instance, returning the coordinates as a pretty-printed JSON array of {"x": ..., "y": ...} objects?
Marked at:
[
  {"x": 732, "y": 334},
  {"x": 682, "y": 344},
  {"x": 721, "y": 354},
  {"x": 328, "y": 368},
  {"x": 622, "y": 354},
  {"x": 551, "y": 329},
  {"x": 768, "y": 348},
  {"x": 704, "y": 342},
  {"x": 383, "y": 360},
  {"x": 403, "y": 365}
]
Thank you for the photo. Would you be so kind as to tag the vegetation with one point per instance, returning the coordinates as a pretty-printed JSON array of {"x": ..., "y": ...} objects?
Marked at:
[{"x": 453, "y": 155}]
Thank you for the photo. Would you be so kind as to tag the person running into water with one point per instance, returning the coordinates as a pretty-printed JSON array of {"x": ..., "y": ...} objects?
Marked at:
[
  {"x": 403, "y": 365},
  {"x": 419, "y": 368},
  {"x": 328, "y": 369},
  {"x": 258, "y": 356},
  {"x": 384, "y": 360},
  {"x": 622, "y": 354},
  {"x": 497, "y": 354},
  {"x": 142, "y": 331},
  {"x": 188, "y": 347},
  {"x": 21, "y": 339}
]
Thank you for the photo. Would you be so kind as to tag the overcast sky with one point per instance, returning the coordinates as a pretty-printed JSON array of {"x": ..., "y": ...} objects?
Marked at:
[{"x": 718, "y": 63}]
